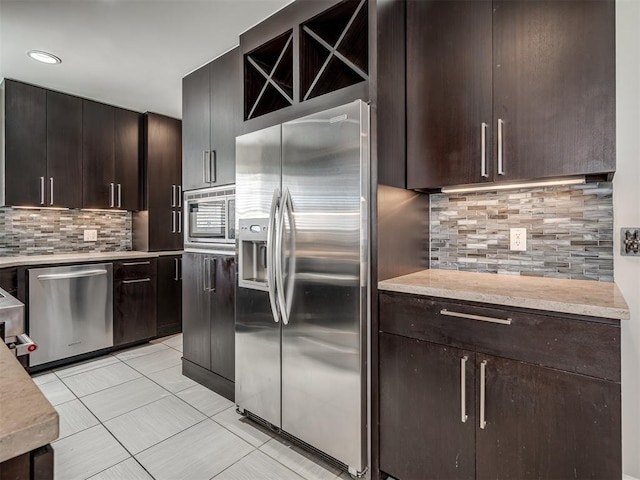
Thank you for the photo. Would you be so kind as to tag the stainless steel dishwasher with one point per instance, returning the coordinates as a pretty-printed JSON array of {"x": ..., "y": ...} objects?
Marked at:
[{"x": 70, "y": 310}]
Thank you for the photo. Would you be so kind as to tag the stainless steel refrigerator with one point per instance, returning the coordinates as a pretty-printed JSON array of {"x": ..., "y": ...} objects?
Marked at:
[{"x": 302, "y": 316}]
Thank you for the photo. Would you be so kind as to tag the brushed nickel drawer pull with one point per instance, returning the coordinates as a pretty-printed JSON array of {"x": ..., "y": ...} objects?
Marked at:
[
  {"x": 480, "y": 318},
  {"x": 463, "y": 389},
  {"x": 132, "y": 264},
  {"x": 140, "y": 280}
]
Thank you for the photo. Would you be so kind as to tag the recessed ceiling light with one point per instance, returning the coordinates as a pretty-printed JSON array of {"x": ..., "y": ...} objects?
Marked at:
[{"x": 43, "y": 57}]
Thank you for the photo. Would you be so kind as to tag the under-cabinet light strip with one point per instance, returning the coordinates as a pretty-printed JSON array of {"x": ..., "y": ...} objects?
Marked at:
[{"x": 511, "y": 186}]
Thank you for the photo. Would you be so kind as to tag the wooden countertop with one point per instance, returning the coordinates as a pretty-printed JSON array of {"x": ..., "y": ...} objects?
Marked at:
[
  {"x": 579, "y": 297},
  {"x": 27, "y": 419},
  {"x": 24, "y": 260}
]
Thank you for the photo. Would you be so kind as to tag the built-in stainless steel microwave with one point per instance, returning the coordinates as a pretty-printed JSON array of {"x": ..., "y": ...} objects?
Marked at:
[{"x": 210, "y": 217}]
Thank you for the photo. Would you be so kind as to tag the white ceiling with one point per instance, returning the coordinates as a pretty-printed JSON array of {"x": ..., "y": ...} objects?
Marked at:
[{"x": 129, "y": 53}]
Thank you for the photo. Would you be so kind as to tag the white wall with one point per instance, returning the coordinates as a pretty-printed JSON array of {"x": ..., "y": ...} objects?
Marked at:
[{"x": 626, "y": 191}]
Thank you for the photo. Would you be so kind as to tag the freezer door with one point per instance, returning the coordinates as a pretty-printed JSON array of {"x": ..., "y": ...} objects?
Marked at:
[
  {"x": 324, "y": 242},
  {"x": 257, "y": 382}
]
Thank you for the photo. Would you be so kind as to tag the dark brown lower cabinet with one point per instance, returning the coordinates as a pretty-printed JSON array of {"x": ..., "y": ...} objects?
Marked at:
[
  {"x": 9, "y": 280},
  {"x": 420, "y": 421},
  {"x": 169, "y": 305},
  {"x": 34, "y": 465},
  {"x": 134, "y": 301},
  {"x": 208, "y": 316},
  {"x": 544, "y": 423},
  {"x": 449, "y": 409}
]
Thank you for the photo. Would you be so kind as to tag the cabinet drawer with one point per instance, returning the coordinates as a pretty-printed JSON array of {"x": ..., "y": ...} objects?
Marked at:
[
  {"x": 570, "y": 344},
  {"x": 134, "y": 268}
]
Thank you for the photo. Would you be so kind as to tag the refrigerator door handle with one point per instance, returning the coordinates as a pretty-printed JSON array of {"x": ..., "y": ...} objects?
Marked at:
[
  {"x": 271, "y": 279},
  {"x": 285, "y": 297}
]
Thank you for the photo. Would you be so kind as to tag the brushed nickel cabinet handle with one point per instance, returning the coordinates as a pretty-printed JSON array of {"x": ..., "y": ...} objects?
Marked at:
[
  {"x": 112, "y": 195},
  {"x": 213, "y": 167},
  {"x": 179, "y": 195},
  {"x": 205, "y": 164},
  {"x": 119, "y": 195},
  {"x": 500, "y": 147},
  {"x": 41, "y": 190},
  {"x": 51, "y": 191},
  {"x": 173, "y": 196},
  {"x": 463, "y": 389},
  {"x": 173, "y": 221},
  {"x": 176, "y": 277},
  {"x": 131, "y": 264},
  {"x": 179, "y": 221},
  {"x": 483, "y": 393},
  {"x": 479, "y": 318},
  {"x": 483, "y": 153}
]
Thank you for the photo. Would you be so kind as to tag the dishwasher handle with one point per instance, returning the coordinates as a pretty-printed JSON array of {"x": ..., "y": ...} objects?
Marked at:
[{"x": 81, "y": 274}]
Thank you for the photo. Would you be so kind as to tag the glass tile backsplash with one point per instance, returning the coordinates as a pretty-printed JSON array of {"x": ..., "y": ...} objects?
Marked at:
[
  {"x": 49, "y": 231},
  {"x": 569, "y": 231}
]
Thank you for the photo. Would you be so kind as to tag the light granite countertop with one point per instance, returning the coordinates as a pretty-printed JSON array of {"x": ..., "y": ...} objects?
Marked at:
[
  {"x": 579, "y": 297},
  {"x": 20, "y": 261},
  {"x": 27, "y": 419}
]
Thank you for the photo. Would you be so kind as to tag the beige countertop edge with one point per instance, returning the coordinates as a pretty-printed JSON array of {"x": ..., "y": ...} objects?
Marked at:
[
  {"x": 27, "y": 419},
  {"x": 27, "y": 260},
  {"x": 578, "y": 297}
]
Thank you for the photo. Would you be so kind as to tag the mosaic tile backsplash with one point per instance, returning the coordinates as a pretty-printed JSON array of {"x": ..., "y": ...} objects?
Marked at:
[
  {"x": 569, "y": 231},
  {"x": 46, "y": 231}
]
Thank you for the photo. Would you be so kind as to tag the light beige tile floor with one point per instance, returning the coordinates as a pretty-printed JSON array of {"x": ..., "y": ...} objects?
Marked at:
[{"x": 133, "y": 415}]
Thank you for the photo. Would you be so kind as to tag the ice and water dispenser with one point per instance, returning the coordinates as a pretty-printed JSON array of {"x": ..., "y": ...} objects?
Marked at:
[{"x": 252, "y": 254}]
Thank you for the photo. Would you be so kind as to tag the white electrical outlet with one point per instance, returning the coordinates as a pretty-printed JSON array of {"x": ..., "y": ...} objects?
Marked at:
[
  {"x": 91, "y": 235},
  {"x": 518, "y": 239}
]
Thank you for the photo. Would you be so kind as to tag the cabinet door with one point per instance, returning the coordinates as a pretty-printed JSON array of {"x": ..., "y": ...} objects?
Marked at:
[
  {"x": 196, "y": 310},
  {"x": 422, "y": 434},
  {"x": 449, "y": 92},
  {"x": 98, "y": 171},
  {"x": 169, "y": 295},
  {"x": 226, "y": 116},
  {"x": 25, "y": 143},
  {"x": 196, "y": 127},
  {"x": 161, "y": 146},
  {"x": 134, "y": 313},
  {"x": 163, "y": 228},
  {"x": 223, "y": 319},
  {"x": 554, "y": 86},
  {"x": 127, "y": 159},
  {"x": 545, "y": 423}
]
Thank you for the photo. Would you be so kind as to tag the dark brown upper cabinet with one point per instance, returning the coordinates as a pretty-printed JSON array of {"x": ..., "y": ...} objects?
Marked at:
[
  {"x": 211, "y": 118},
  {"x": 110, "y": 156},
  {"x": 509, "y": 90},
  {"x": 159, "y": 226},
  {"x": 42, "y": 158},
  {"x": 64, "y": 151}
]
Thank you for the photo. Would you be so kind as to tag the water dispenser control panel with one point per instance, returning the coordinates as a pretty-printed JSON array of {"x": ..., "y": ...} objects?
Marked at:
[{"x": 252, "y": 253}]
